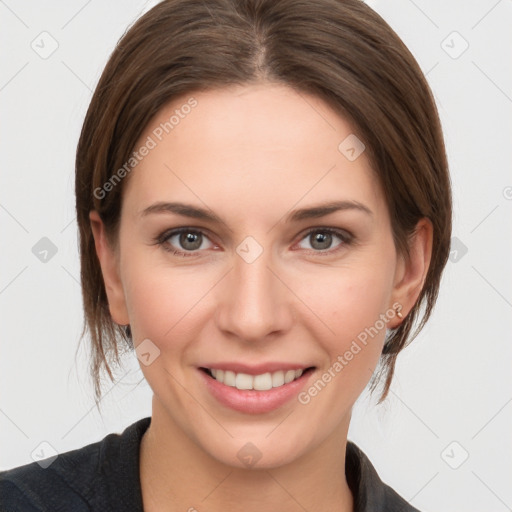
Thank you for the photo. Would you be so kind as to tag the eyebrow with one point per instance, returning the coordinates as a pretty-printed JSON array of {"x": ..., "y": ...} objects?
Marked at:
[{"x": 312, "y": 212}]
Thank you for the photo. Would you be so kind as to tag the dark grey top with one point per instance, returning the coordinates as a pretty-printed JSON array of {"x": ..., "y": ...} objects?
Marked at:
[{"x": 104, "y": 476}]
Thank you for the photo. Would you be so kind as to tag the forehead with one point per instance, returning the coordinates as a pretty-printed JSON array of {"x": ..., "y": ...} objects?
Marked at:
[{"x": 262, "y": 145}]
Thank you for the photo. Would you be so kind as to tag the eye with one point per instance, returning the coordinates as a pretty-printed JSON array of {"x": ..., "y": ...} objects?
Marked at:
[
  {"x": 322, "y": 239},
  {"x": 191, "y": 240}
]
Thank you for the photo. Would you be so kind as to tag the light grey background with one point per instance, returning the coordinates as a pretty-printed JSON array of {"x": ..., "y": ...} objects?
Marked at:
[{"x": 452, "y": 394}]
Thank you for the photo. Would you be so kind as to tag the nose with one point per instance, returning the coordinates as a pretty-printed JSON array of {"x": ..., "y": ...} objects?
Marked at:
[{"x": 254, "y": 301}]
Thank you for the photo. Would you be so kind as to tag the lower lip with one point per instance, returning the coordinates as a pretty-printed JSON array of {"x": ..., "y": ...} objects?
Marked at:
[{"x": 251, "y": 401}]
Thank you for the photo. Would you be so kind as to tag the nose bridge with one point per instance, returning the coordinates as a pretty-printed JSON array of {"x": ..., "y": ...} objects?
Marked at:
[{"x": 254, "y": 301}]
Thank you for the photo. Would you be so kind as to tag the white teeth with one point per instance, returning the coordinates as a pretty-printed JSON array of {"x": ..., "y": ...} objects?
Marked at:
[
  {"x": 277, "y": 379},
  {"x": 289, "y": 376},
  {"x": 261, "y": 382},
  {"x": 243, "y": 381},
  {"x": 229, "y": 378}
]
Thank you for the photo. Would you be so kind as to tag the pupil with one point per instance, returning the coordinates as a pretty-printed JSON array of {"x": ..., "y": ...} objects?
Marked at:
[
  {"x": 323, "y": 239},
  {"x": 190, "y": 238}
]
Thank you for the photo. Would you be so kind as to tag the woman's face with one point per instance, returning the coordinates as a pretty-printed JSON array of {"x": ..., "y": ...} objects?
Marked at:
[{"x": 267, "y": 281}]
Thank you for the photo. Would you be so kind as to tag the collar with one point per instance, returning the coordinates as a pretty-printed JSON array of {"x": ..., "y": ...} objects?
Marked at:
[{"x": 369, "y": 492}]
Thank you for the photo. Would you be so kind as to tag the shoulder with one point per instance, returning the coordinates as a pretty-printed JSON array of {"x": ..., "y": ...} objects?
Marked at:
[
  {"x": 369, "y": 491},
  {"x": 87, "y": 478},
  {"x": 64, "y": 480}
]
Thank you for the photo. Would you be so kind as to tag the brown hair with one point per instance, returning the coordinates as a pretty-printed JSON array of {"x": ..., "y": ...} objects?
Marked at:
[{"x": 341, "y": 51}]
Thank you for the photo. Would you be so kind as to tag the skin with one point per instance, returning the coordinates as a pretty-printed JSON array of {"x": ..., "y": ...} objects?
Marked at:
[{"x": 252, "y": 154}]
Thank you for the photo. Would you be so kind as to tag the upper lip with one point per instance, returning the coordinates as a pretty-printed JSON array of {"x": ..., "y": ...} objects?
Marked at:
[{"x": 257, "y": 369}]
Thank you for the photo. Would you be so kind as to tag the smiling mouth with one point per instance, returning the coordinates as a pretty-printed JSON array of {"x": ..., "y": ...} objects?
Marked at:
[{"x": 262, "y": 382}]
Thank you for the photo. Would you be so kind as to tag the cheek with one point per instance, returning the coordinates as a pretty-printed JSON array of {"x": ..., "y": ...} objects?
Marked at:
[
  {"x": 160, "y": 300},
  {"x": 348, "y": 299},
  {"x": 353, "y": 305},
  {"x": 165, "y": 307}
]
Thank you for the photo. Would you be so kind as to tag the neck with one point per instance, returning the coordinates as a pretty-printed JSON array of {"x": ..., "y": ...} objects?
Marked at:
[{"x": 178, "y": 475}]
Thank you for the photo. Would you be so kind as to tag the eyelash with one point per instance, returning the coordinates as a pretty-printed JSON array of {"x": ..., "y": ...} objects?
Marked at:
[{"x": 161, "y": 240}]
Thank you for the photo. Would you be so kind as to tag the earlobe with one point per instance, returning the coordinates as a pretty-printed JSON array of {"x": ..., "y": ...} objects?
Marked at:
[
  {"x": 110, "y": 270},
  {"x": 412, "y": 270}
]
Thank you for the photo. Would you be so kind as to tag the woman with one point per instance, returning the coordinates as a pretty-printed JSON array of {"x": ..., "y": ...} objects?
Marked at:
[{"x": 264, "y": 212}]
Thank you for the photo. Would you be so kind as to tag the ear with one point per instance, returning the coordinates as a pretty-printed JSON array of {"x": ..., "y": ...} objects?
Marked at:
[
  {"x": 411, "y": 272},
  {"x": 110, "y": 269}
]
